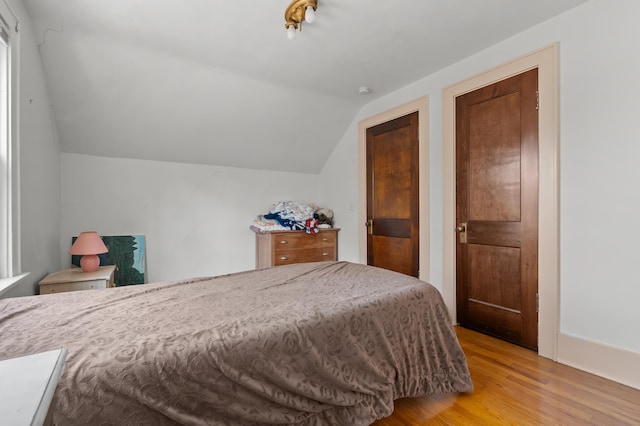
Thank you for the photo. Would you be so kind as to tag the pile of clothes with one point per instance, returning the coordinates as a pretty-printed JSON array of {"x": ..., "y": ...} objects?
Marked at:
[{"x": 292, "y": 215}]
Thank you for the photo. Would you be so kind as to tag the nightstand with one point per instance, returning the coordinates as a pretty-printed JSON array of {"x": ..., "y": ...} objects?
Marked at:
[{"x": 73, "y": 279}]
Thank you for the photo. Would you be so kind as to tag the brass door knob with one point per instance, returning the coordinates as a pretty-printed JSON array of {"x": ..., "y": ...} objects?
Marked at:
[
  {"x": 462, "y": 229},
  {"x": 369, "y": 225}
]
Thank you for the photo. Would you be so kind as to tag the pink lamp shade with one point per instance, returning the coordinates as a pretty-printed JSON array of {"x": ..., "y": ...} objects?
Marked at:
[{"x": 88, "y": 245}]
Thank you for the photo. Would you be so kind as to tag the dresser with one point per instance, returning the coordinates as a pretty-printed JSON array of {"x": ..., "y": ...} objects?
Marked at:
[
  {"x": 74, "y": 279},
  {"x": 285, "y": 247}
]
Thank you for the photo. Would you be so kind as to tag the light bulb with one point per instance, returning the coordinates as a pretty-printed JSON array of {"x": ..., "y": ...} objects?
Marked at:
[
  {"x": 291, "y": 32},
  {"x": 310, "y": 15}
]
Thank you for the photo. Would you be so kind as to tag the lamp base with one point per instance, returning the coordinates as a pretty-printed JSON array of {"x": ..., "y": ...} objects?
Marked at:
[{"x": 89, "y": 263}]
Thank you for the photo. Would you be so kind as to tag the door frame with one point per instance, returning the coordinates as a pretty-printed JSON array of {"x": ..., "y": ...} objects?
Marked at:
[
  {"x": 421, "y": 105},
  {"x": 546, "y": 60}
]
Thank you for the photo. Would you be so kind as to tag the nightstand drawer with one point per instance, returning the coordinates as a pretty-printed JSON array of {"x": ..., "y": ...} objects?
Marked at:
[
  {"x": 73, "y": 286},
  {"x": 286, "y": 257}
]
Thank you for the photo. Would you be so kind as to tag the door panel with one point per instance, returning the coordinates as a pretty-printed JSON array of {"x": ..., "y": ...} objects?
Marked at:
[
  {"x": 496, "y": 207},
  {"x": 389, "y": 253},
  {"x": 392, "y": 195},
  {"x": 494, "y": 274},
  {"x": 494, "y": 159}
]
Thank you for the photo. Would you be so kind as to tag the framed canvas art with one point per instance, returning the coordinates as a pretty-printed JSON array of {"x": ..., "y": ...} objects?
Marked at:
[{"x": 127, "y": 252}]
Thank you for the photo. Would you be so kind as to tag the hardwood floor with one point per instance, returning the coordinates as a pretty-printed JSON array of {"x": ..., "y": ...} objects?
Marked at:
[{"x": 515, "y": 386}]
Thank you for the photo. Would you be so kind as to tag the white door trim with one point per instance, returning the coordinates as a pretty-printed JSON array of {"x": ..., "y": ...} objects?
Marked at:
[
  {"x": 546, "y": 60},
  {"x": 422, "y": 106}
]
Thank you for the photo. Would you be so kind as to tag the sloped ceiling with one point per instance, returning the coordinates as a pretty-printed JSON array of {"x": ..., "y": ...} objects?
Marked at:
[{"x": 218, "y": 82}]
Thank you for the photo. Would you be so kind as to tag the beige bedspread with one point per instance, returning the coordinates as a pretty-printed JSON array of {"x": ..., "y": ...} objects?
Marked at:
[{"x": 319, "y": 343}]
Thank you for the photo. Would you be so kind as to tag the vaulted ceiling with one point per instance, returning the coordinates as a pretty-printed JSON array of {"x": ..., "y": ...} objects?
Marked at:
[{"x": 218, "y": 82}]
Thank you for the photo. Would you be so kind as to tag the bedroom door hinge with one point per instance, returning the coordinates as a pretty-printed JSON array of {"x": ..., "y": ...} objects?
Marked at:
[
  {"x": 537, "y": 99},
  {"x": 537, "y": 302}
]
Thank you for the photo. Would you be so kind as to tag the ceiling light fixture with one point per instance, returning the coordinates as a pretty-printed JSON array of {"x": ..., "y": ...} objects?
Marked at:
[{"x": 298, "y": 11}]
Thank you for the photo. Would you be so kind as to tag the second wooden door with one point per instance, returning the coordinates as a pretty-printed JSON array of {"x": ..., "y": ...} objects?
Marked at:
[{"x": 393, "y": 195}]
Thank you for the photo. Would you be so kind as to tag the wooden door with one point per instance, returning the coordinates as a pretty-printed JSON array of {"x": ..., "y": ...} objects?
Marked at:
[
  {"x": 392, "y": 195},
  {"x": 497, "y": 209}
]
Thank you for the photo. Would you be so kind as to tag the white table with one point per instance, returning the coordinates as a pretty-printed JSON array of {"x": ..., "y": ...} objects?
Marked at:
[{"x": 28, "y": 384}]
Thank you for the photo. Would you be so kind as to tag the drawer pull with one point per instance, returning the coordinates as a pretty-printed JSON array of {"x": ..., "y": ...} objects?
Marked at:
[
  {"x": 325, "y": 254},
  {"x": 284, "y": 258},
  {"x": 283, "y": 241},
  {"x": 325, "y": 239}
]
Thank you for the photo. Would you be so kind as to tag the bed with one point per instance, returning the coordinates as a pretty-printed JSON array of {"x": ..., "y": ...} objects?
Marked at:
[{"x": 310, "y": 344}]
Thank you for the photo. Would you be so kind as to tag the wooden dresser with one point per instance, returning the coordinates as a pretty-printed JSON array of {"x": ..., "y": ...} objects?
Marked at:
[{"x": 285, "y": 247}]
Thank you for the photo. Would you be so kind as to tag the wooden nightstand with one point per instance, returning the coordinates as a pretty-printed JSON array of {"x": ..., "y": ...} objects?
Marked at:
[{"x": 74, "y": 279}]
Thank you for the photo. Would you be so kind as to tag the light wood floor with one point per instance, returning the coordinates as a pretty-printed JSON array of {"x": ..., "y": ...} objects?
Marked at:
[{"x": 515, "y": 386}]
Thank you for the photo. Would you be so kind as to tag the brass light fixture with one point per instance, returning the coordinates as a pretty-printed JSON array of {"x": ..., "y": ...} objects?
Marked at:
[{"x": 298, "y": 11}]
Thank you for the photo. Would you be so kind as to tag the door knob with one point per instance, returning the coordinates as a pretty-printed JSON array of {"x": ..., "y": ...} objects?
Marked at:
[
  {"x": 369, "y": 225},
  {"x": 462, "y": 232}
]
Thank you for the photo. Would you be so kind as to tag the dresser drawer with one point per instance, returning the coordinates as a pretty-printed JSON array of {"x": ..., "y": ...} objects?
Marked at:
[
  {"x": 286, "y": 257},
  {"x": 299, "y": 241}
]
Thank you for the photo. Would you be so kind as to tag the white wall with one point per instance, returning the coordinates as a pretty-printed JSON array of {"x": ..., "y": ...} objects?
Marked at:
[
  {"x": 599, "y": 92},
  {"x": 39, "y": 166},
  {"x": 195, "y": 217}
]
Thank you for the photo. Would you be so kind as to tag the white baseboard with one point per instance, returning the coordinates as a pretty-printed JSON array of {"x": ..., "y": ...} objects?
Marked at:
[{"x": 619, "y": 365}]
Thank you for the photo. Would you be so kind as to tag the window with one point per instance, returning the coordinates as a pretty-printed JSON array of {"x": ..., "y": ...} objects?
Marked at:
[
  {"x": 9, "y": 242},
  {"x": 5, "y": 154}
]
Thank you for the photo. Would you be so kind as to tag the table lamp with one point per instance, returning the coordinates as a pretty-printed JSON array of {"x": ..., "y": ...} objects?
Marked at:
[{"x": 89, "y": 245}]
